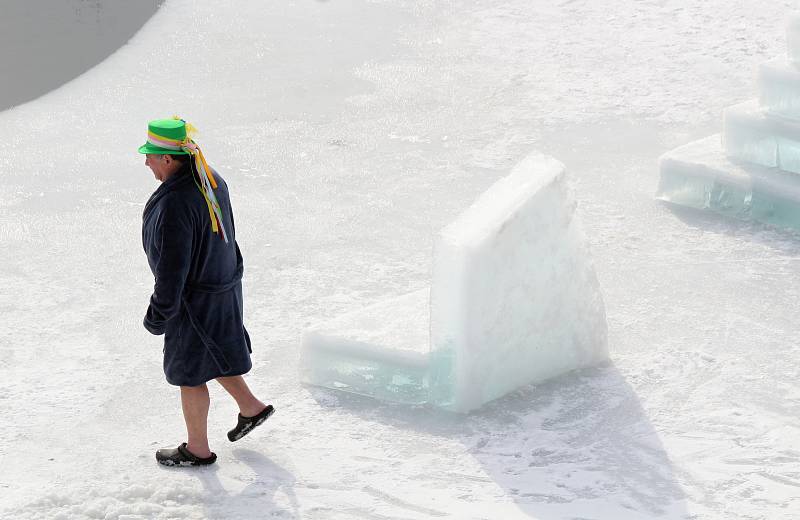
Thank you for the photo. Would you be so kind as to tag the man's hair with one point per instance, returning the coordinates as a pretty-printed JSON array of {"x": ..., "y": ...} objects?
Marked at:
[{"x": 181, "y": 158}]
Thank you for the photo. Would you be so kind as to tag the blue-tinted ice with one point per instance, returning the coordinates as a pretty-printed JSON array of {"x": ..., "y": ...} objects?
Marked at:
[
  {"x": 699, "y": 175},
  {"x": 381, "y": 351},
  {"x": 753, "y": 136}
]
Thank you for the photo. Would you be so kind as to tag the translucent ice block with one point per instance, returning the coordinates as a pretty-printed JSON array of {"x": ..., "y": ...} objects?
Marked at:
[
  {"x": 380, "y": 351},
  {"x": 699, "y": 175},
  {"x": 752, "y": 136},
  {"x": 779, "y": 88},
  {"x": 515, "y": 298}
]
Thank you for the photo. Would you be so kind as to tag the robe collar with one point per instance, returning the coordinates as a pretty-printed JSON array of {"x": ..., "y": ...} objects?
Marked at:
[{"x": 180, "y": 177}]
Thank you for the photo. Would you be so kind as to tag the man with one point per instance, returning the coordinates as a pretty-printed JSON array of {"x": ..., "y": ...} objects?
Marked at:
[{"x": 189, "y": 238}]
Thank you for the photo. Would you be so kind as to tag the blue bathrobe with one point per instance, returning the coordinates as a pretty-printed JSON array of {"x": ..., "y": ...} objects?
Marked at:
[{"x": 197, "y": 298}]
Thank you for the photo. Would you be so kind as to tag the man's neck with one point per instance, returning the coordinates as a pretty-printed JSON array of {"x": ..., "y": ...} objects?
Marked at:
[{"x": 168, "y": 175}]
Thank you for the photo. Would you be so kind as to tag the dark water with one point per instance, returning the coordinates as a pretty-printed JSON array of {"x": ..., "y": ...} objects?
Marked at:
[{"x": 45, "y": 43}]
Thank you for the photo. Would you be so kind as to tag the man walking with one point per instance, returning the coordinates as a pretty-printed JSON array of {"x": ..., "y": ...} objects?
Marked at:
[{"x": 189, "y": 237}]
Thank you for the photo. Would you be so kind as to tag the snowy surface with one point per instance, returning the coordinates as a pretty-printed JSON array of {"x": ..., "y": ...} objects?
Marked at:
[
  {"x": 793, "y": 39},
  {"x": 399, "y": 326},
  {"x": 514, "y": 295},
  {"x": 350, "y": 133}
]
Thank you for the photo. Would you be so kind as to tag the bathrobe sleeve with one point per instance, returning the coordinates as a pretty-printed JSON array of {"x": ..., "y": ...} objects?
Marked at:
[{"x": 173, "y": 251}]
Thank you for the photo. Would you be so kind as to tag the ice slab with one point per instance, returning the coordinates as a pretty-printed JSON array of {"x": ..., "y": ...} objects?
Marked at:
[
  {"x": 514, "y": 300},
  {"x": 750, "y": 135},
  {"x": 380, "y": 351},
  {"x": 793, "y": 39},
  {"x": 699, "y": 175},
  {"x": 779, "y": 88}
]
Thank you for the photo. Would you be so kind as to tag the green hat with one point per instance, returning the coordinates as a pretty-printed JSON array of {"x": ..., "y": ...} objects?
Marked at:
[{"x": 165, "y": 136}]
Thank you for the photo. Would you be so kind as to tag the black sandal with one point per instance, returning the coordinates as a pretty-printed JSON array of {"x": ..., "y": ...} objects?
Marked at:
[
  {"x": 245, "y": 425},
  {"x": 181, "y": 456}
]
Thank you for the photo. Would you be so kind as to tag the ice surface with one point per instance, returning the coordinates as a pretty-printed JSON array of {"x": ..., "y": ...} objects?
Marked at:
[
  {"x": 514, "y": 300},
  {"x": 381, "y": 350},
  {"x": 699, "y": 175},
  {"x": 779, "y": 88},
  {"x": 752, "y": 136},
  {"x": 793, "y": 39}
]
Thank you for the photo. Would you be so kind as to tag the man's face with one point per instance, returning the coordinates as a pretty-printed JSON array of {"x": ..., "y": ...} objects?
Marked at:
[{"x": 160, "y": 164}]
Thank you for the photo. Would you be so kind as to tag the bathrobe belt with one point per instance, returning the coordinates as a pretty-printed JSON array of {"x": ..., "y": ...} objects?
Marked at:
[{"x": 211, "y": 345}]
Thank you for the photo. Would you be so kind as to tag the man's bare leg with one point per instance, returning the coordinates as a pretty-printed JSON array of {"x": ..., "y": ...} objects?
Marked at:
[
  {"x": 195, "y": 403},
  {"x": 249, "y": 406}
]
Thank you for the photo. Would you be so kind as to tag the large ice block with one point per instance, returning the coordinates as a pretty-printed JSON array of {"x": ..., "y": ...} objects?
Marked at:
[
  {"x": 515, "y": 298},
  {"x": 752, "y": 136},
  {"x": 699, "y": 175},
  {"x": 779, "y": 88},
  {"x": 793, "y": 39},
  {"x": 380, "y": 351}
]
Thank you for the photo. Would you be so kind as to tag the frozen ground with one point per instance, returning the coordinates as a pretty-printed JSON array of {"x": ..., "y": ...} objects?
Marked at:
[{"x": 349, "y": 133}]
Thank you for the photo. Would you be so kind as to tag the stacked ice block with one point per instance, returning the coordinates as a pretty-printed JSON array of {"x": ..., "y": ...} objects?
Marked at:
[
  {"x": 752, "y": 170},
  {"x": 514, "y": 300}
]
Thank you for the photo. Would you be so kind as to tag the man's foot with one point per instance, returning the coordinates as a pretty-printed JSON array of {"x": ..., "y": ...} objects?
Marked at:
[
  {"x": 245, "y": 425},
  {"x": 181, "y": 456}
]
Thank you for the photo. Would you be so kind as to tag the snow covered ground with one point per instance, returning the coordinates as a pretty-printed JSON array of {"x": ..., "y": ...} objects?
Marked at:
[{"x": 349, "y": 133}]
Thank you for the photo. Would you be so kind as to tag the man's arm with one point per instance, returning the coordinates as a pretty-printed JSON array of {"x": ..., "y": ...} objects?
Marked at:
[{"x": 174, "y": 241}]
